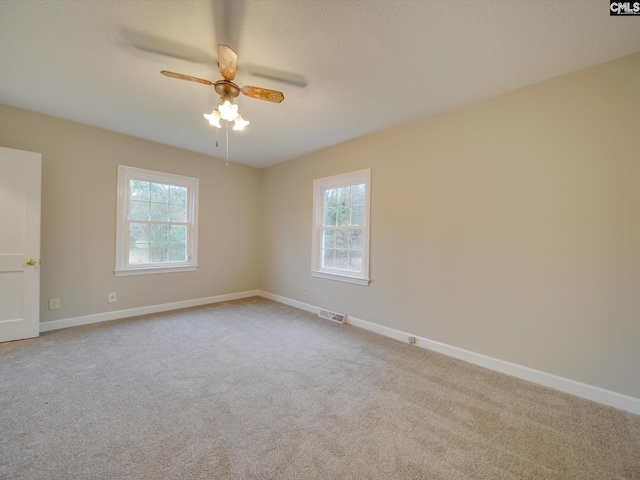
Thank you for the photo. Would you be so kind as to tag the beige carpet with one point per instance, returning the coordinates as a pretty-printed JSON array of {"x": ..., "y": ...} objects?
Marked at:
[{"x": 253, "y": 389}]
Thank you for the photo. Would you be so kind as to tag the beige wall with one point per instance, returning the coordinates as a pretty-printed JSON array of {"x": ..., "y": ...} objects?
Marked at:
[
  {"x": 510, "y": 227},
  {"x": 79, "y": 217}
]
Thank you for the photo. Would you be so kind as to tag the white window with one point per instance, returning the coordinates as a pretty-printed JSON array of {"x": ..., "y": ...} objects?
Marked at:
[
  {"x": 157, "y": 229},
  {"x": 340, "y": 245}
]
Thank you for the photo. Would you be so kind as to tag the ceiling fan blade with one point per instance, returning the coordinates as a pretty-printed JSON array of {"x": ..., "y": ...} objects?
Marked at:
[
  {"x": 227, "y": 59},
  {"x": 228, "y": 18},
  {"x": 169, "y": 48},
  {"x": 180, "y": 76},
  {"x": 273, "y": 74},
  {"x": 263, "y": 94}
]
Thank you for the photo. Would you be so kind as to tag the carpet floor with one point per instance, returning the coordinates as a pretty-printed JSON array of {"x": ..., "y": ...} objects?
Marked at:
[{"x": 252, "y": 389}]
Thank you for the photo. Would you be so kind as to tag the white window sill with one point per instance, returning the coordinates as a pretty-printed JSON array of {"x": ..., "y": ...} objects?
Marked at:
[
  {"x": 340, "y": 277},
  {"x": 154, "y": 270}
]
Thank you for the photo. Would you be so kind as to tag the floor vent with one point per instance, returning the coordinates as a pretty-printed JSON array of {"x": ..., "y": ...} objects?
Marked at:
[{"x": 333, "y": 316}]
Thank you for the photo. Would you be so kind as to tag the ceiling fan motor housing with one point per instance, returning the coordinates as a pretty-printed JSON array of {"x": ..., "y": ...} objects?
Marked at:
[{"x": 227, "y": 88}]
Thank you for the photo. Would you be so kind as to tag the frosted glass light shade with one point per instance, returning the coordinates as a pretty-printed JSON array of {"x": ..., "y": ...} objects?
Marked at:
[
  {"x": 240, "y": 123},
  {"x": 228, "y": 111},
  {"x": 214, "y": 118}
]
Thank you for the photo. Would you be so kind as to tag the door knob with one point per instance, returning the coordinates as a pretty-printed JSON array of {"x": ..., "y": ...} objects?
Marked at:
[{"x": 31, "y": 261}]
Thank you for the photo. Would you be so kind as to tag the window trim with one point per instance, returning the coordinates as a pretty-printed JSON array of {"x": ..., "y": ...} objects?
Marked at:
[
  {"x": 125, "y": 174},
  {"x": 319, "y": 186}
]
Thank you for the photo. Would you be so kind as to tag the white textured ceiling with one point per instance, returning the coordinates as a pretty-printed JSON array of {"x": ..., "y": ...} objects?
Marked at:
[{"x": 369, "y": 64}]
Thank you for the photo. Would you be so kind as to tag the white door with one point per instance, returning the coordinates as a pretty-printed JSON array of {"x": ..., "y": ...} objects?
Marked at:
[{"x": 19, "y": 244}]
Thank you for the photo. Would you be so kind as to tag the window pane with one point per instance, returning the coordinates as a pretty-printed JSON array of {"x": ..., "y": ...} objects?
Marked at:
[
  {"x": 344, "y": 197},
  {"x": 355, "y": 260},
  {"x": 158, "y": 212},
  {"x": 160, "y": 233},
  {"x": 355, "y": 239},
  {"x": 328, "y": 255},
  {"x": 331, "y": 197},
  {"x": 342, "y": 239},
  {"x": 158, "y": 252},
  {"x": 138, "y": 210},
  {"x": 159, "y": 193},
  {"x": 357, "y": 195},
  {"x": 178, "y": 195},
  {"x": 138, "y": 253},
  {"x": 344, "y": 214},
  {"x": 178, "y": 252},
  {"x": 178, "y": 234},
  {"x": 139, "y": 190},
  {"x": 357, "y": 215},
  {"x": 341, "y": 259},
  {"x": 138, "y": 233},
  {"x": 330, "y": 216},
  {"x": 177, "y": 213},
  {"x": 329, "y": 239}
]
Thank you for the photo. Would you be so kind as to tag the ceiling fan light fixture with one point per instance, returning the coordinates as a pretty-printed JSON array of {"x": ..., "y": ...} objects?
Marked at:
[
  {"x": 240, "y": 123},
  {"x": 214, "y": 118},
  {"x": 228, "y": 111},
  {"x": 228, "y": 91}
]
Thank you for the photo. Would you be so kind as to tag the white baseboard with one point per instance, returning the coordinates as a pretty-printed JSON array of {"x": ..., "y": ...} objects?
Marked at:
[
  {"x": 583, "y": 390},
  {"x": 134, "y": 312},
  {"x": 290, "y": 302}
]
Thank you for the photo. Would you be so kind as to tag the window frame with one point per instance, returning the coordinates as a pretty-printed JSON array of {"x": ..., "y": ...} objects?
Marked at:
[
  {"x": 319, "y": 187},
  {"x": 122, "y": 266}
]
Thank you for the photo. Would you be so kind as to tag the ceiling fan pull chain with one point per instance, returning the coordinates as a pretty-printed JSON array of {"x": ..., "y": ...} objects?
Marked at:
[
  {"x": 217, "y": 137},
  {"x": 227, "y": 143}
]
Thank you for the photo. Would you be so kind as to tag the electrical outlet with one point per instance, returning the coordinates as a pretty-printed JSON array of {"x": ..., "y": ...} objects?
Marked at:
[
  {"x": 412, "y": 340},
  {"x": 304, "y": 290},
  {"x": 54, "y": 303},
  {"x": 112, "y": 297}
]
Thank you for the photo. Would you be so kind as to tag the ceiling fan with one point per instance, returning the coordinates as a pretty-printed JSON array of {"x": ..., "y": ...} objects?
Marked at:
[{"x": 228, "y": 91}]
